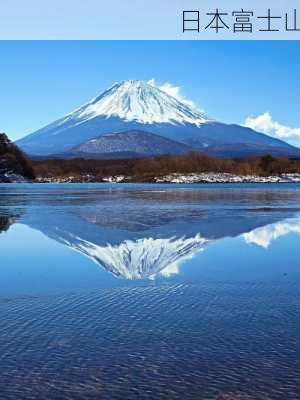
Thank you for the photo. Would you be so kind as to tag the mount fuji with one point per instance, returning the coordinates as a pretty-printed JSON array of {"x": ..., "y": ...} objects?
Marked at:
[{"x": 146, "y": 117}]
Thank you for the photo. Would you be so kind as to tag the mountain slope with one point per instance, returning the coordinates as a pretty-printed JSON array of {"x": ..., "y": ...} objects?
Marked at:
[
  {"x": 141, "y": 102},
  {"x": 133, "y": 143},
  {"x": 137, "y": 105}
]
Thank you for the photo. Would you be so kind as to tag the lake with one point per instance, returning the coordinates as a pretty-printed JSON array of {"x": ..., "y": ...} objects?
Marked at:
[{"x": 128, "y": 291}]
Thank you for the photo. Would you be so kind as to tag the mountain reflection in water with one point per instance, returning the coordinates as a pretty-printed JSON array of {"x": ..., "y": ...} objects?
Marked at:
[
  {"x": 200, "y": 301},
  {"x": 6, "y": 220},
  {"x": 138, "y": 234}
]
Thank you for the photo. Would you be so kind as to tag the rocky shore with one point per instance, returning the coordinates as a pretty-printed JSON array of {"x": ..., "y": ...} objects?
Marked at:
[
  {"x": 227, "y": 178},
  {"x": 179, "y": 179}
]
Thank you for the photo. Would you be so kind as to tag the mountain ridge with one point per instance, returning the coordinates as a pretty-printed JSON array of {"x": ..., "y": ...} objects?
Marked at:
[
  {"x": 145, "y": 144},
  {"x": 142, "y": 102},
  {"x": 137, "y": 105}
]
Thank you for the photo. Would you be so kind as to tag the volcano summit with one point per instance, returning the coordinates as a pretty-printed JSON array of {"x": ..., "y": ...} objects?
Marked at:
[{"x": 138, "y": 106}]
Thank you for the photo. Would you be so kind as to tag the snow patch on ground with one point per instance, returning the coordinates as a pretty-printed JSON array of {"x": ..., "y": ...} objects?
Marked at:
[{"x": 211, "y": 177}]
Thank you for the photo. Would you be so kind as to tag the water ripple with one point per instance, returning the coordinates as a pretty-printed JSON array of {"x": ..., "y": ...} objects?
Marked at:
[{"x": 210, "y": 341}]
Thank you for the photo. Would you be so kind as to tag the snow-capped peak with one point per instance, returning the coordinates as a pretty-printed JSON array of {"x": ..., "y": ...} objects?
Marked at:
[{"x": 142, "y": 102}]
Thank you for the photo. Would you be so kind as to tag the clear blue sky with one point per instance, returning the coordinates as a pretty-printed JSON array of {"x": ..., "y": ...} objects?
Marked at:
[{"x": 42, "y": 81}]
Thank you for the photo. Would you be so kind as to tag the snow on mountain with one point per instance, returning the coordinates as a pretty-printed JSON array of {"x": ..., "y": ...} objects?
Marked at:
[
  {"x": 127, "y": 105},
  {"x": 136, "y": 105},
  {"x": 141, "y": 102}
]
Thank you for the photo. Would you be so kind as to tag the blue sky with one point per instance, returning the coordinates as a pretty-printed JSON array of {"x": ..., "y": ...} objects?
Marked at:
[{"x": 41, "y": 81}]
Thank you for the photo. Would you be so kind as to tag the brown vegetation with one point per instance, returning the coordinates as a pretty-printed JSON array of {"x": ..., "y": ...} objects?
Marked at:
[
  {"x": 13, "y": 160},
  {"x": 146, "y": 169}
]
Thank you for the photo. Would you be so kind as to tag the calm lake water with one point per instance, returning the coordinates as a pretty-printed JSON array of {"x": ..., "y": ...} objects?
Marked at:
[{"x": 150, "y": 292}]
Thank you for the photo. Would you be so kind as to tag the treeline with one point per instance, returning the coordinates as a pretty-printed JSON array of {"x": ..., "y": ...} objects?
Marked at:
[
  {"x": 147, "y": 169},
  {"x": 13, "y": 159}
]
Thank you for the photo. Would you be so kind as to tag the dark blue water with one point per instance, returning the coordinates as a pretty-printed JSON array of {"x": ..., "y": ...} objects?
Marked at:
[{"x": 150, "y": 292}]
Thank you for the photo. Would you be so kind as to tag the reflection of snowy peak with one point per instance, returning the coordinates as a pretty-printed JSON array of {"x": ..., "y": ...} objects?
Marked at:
[
  {"x": 143, "y": 258},
  {"x": 148, "y": 231}
]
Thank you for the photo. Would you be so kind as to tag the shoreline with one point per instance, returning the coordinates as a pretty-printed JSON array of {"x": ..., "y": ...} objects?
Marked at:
[
  {"x": 204, "y": 178},
  {"x": 175, "y": 178}
]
